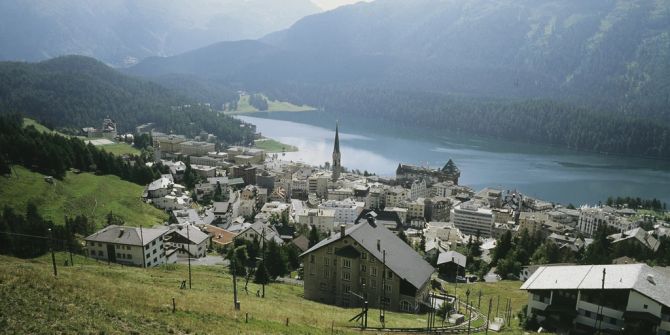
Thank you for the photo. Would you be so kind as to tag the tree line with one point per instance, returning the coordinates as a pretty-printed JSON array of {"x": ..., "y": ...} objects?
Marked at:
[
  {"x": 53, "y": 154},
  {"x": 532, "y": 120},
  {"x": 637, "y": 203},
  {"x": 29, "y": 235}
]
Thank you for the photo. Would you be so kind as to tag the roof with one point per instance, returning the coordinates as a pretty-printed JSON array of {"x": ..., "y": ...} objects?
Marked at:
[
  {"x": 400, "y": 257},
  {"x": 451, "y": 256},
  {"x": 638, "y": 234},
  {"x": 126, "y": 235},
  {"x": 301, "y": 242},
  {"x": 386, "y": 218},
  {"x": 159, "y": 183},
  {"x": 194, "y": 234},
  {"x": 589, "y": 277},
  {"x": 220, "y": 235},
  {"x": 220, "y": 207}
]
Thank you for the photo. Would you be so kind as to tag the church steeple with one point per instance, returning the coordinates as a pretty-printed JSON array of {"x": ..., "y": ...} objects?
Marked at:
[{"x": 337, "y": 166}]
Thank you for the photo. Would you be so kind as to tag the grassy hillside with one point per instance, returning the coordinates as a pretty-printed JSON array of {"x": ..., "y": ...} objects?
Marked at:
[
  {"x": 94, "y": 297},
  {"x": 85, "y": 193}
]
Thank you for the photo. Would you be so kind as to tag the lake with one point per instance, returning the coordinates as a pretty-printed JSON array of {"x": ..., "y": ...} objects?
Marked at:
[{"x": 552, "y": 174}]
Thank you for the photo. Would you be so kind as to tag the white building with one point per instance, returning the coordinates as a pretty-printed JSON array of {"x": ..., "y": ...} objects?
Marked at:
[
  {"x": 128, "y": 245},
  {"x": 471, "y": 217},
  {"x": 631, "y": 299},
  {"x": 418, "y": 189},
  {"x": 346, "y": 211},
  {"x": 590, "y": 218},
  {"x": 188, "y": 241},
  {"x": 322, "y": 219}
]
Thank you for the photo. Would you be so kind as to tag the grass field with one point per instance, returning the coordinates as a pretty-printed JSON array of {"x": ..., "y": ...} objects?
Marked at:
[
  {"x": 85, "y": 193},
  {"x": 270, "y": 145},
  {"x": 96, "y": 297},
  {"x": 120, "y": 149},
  {"x": 243, "y": 106}
]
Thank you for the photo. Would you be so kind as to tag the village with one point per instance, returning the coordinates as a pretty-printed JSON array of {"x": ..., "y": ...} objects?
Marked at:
[{"x": 393, "y": 242}]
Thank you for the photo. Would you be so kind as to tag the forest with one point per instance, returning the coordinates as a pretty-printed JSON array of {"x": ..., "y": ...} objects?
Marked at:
[
  {"x": 532, "y": 121},
  {"x": 72, "y": 92}
]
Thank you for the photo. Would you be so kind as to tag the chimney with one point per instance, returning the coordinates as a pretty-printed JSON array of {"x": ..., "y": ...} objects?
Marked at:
[
  {"x": 342, "y": 227},
  {"x": 379, "y": 245},
  {"x": 121, "y": 231}
]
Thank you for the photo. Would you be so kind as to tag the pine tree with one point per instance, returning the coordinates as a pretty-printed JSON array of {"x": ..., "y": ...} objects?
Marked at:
[
  {"x": 313, "y": 236},
  {"x": 261, "y": 275},
  {"x": 274, "y": 259}
]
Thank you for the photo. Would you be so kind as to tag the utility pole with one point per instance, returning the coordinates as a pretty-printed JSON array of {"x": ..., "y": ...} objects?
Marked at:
[
  {"x": 488, "y": 316},
  {"x": 263, "y": 257},
  {"x": 51, "y": 248},
  {"x": 383, "y": 295},
  {"x": 235, "y": 302},
  {"x": 144, "y": 257},
  {"x": 188, "y": 237},
  {"x": 467, "y": 307},
  {"x": 599, "y": 316}
]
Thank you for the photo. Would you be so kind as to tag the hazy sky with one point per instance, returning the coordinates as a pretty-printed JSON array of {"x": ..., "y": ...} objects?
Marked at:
[{"x": 330, "y": 4}]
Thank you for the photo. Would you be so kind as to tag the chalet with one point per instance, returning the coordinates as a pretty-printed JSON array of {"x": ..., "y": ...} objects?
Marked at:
[
  {"x": 369, "y": 260},
  {"x": 128, "y": 245},
  {"x": 582, "y": 299}
]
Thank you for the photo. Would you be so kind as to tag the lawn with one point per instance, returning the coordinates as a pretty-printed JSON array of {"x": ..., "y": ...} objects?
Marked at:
[
  {"x": 270, "y": 145},
  {"x": 243, "y": 106},
  {"x": 96, "y": 298},
  {"x": 85, "y": 193},
  {"x": 120, "y": 149}
]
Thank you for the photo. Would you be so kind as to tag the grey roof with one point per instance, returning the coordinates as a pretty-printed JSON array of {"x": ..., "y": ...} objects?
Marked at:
[
  {"x": 126, "y": 235},
  {"x": 220, "y": 207},
  {"x": 456, "y": 257},
  {"x": 196, "y": 235},
  {"x": 587, "y": 277},
  {"x": 638, "y": 234},
  {"x": 400, "y": 257}
]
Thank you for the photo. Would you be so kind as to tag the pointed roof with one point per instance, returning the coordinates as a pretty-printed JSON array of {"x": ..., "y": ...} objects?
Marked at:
[
  {"x": 450, "y": 167},
  {"x": 337, "y": 138}
]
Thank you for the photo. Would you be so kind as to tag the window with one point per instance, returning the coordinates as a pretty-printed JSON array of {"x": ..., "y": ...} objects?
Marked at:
[
  {"x": 149, "y": 264},
  {"x": 329, "y": 250},
  {"x": 118, "y": 255},
  {"x": 129, "y": 256},
  {"x": 387, "y": 287},
  {"x": 116, "y": 246},
  {"x": 148, "y": 255},
  {"x": 364, "y": 269},
  {"x": 346, "y": 275},
  {"x": 373, "y": 272},
  {"x": 323, "y": 286},
  {"x": 154, "y": 252},
  {"x": 326, "y": 273},
  {"x": 99, "y": 252},
  {"x": 312, "y": 258},
  {"x": 587, "y": 314},
  {"x": 372, "y": 259},
  {"x": 645, "y": 306},
  {"x": 373, "y": 283},
  {"x": 364, "y": 255},
  {"x": 326, "y": 261},
  {"x": 346, "y": 289},
  {"x": 613, "y": 321},
  {"x": 155, "y": 259},
  {"x": 100, "y": 244},
  {"x": 146, "y": 247},
  {"x": 389, "y": 274},
  {"x": 405, "y": 306},
  {"x": 346, "y": 263},
  {"x": 363, "y": 281}
]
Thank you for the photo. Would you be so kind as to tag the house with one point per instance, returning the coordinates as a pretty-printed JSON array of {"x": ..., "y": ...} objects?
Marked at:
[
  {"x": 389, "y": 219},
  {"x": 626, "y": 298},
  {"x": 188, "y": 240},
  {"x": 322, "y": 219},
  {"x": 219, "y": 236},
  {"x": 260, "y": 232},
  {"x": 366, "y": 259},
  {"x": 451, "y": 264},
  {"x": 301, "y": 243},
  {"x": 127, "y": 245},
  {"x": 474, "y": 218},
  {"x": 637, "y": 237}
]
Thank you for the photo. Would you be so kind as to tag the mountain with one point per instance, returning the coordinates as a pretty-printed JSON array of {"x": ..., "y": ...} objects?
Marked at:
[
  {"x": 608, "y": 53},
  {"x": 120, "y": 32},
  {"x": 77, "y": 91}
]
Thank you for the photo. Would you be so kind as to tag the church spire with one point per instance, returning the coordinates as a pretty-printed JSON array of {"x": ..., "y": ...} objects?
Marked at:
[{"x": 337, "y": 166}]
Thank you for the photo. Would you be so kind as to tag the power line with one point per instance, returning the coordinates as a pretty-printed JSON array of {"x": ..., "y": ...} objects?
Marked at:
[{"x": 35, "y": 236}]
